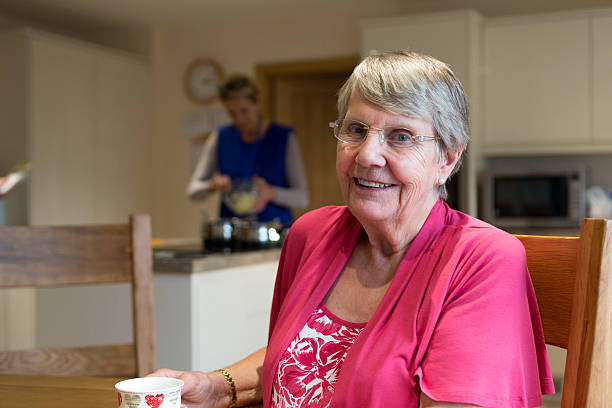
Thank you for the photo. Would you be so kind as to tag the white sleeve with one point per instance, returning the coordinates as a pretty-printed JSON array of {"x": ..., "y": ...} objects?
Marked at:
[
  {"x": 295, "y": 195},
  {"x": 208, "y": 164}
]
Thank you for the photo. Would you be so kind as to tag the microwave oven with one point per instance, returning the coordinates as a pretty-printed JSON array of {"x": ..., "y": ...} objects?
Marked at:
[{"x": 536, "y": 197}]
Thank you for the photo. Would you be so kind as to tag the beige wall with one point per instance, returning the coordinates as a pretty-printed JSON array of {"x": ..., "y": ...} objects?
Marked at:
[{"x": 236, "y": 49}]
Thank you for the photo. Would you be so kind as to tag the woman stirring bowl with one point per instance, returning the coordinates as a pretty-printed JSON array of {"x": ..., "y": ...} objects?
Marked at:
[
  {"x": 251, "y": 151},
  {"x": 394, "y": 300}
]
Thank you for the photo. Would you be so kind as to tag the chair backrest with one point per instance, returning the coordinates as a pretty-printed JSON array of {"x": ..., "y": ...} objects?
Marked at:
[
  {"x": 572, "y": 277},
  {"x": 40, "y": 256}
]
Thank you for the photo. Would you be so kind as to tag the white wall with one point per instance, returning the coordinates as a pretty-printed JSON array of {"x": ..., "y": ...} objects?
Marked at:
[{"x": 236, "y": 49}]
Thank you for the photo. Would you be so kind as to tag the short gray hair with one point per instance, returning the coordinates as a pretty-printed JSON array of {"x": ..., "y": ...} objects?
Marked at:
[{"x": 415, "y": 85}]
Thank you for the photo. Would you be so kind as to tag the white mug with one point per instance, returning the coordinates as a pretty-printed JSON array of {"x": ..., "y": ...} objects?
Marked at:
[{"x": 149, "y": 392}]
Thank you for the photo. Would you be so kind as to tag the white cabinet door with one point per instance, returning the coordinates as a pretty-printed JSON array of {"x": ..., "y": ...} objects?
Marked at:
[
  {"x": 231, "y": 313},
  {"x": 90, "y": 137},
  {"x": 445, "y": 36},
  {"x": 62, "y": 119},
  {"x": 602, "y": 80},
  {"x": 122, "y": 160},
  {"x": 537, "y": 83}
]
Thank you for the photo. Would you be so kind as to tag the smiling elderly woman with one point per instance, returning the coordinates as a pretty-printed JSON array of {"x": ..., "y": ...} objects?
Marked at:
[{"x": 395, "y": 300}]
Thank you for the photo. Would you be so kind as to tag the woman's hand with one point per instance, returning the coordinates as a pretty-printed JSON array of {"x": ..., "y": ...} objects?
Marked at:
[
  {"x": 221, "y": 182},
  {"x": 265, "y": 191},
  {"x": 200, "y": 389},
  {"x": 2, "y": 181}
]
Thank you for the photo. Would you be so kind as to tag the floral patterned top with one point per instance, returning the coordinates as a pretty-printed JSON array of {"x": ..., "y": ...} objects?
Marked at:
[{"x": 309, "y": 368}]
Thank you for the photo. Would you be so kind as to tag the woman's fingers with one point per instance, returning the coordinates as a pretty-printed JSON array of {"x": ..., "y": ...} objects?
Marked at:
[
  {"x": 166, "y": 372},
  {"x": 222, "y": 182},
  {"x": 266, "y": 193},
  {"x": 197, "y": 388}
]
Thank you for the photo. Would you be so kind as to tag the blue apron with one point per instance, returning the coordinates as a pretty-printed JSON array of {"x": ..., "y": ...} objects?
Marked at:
[{"x": 265, "y": 158}]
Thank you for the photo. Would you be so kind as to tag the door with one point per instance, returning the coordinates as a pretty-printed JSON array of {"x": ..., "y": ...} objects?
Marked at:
[
  {"x": 308, "y": 103},
  {"x": 303, "y": 95}
]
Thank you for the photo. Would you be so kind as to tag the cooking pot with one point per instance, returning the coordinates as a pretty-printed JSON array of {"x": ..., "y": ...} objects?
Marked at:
[
  {"x": 217, "y": 234},
  {"x": 258, "y": 235},
  {"x": 230, "y": 234}
]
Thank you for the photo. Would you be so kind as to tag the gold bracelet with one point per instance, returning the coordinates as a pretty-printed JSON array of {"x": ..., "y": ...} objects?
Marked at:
[{"x": 230, "y": 382}]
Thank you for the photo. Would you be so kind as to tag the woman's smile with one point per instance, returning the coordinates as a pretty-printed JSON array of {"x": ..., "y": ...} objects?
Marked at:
[{"x": 371, "y": 184}]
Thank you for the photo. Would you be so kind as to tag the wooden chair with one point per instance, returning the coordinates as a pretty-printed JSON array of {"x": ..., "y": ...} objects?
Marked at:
[
  {"x": 32, "y": 256},
  {"x": 572, "y": 277}
]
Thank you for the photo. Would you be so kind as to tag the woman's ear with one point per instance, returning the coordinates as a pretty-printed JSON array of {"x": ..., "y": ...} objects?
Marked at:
[{"x": 448, "y": 161}]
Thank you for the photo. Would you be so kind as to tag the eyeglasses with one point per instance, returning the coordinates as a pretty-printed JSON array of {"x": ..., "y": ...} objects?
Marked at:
[{"x": 355, "y": 132}]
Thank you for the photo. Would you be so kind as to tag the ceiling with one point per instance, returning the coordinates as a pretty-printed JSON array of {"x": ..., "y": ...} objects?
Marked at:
[{"x": 138, "y": 14}]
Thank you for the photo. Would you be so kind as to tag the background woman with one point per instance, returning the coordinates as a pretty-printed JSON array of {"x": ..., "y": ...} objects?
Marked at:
[
  {"x": 251, "y": 149},
  {"x": 395, "y": 300}
]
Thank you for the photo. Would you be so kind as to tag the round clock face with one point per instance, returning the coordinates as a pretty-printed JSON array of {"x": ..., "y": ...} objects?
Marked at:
[{"x": 202, "y": 80}]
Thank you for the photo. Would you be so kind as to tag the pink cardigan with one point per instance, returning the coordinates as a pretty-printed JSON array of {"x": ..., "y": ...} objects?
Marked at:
[{"x": 459, "y": 321}]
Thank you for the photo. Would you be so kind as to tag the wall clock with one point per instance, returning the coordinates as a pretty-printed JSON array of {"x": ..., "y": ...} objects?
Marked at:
[{"x": 201, "y": 80}]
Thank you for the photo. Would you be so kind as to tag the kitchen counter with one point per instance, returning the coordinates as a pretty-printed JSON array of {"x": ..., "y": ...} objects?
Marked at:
[
  {"x": 191, "y": 261},
  {"x": 211, "y": 309}
]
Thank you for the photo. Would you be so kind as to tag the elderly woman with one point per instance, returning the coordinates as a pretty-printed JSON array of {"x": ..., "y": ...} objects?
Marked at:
[
  {"x": 254, "y": 149},
  {"x": 395, "y": 300}
]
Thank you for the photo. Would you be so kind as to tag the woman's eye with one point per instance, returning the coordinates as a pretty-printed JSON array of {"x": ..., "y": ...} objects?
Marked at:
[
  {"x": 401, "y": 137},
  {"x": 356, "y": 129}
]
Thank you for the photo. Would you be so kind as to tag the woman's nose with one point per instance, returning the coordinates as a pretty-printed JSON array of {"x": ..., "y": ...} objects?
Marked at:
[{"x": 372, "y": 150}]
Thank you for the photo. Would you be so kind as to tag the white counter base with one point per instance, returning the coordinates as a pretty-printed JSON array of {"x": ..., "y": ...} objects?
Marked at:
[{"x": 208, "y": 320}]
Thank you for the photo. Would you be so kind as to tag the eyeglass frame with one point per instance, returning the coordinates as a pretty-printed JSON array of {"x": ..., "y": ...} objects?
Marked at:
[{"x": 337, "y": 124}]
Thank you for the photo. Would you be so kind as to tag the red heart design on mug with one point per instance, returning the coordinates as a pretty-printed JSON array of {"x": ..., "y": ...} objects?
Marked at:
[
  {"x": 120, "y": 400},
  {"x": 154, "y": 401}
]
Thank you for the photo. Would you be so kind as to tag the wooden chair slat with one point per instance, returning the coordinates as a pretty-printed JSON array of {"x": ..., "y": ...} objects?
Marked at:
[
  {"x": 142, "y": 295},
  {"x": 56, "y": 256},
  {"x": 93, "y": 361}
]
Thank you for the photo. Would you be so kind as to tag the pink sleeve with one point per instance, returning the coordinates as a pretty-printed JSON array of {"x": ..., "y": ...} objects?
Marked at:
[{"x": 487, "y": 347}]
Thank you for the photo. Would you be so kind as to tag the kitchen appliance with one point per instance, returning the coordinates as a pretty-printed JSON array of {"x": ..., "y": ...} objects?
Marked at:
[{"x": 534, "y": 197}]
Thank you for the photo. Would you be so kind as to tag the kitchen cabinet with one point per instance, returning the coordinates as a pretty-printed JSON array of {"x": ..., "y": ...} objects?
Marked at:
[
  {"x": 452, "y": 37},
  {"x": 602, "y": 80},
  {"x": 547, "y": 83},
  {"x": 62, "y": 125},
  {"x": 80, "y": 113}
]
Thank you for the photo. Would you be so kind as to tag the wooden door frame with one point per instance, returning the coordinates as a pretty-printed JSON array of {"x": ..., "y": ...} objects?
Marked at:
[{"x": 267, "y": 73}]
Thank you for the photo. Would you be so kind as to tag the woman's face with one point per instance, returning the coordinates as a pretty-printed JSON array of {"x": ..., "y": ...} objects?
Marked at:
[
  {"x": 380, "y": 183},
  {"x": 244, "y": 113}
]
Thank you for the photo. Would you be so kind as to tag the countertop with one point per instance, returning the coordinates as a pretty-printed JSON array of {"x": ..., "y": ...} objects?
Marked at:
[{"x": 191, "y": 261}]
